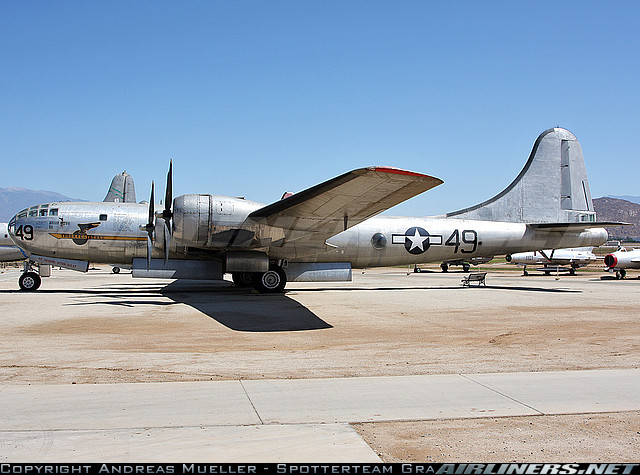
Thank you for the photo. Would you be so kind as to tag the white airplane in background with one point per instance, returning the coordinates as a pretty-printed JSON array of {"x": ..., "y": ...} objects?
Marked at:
[
  {"x": 318, "y": 234},
  {"x": 621, "y": 260},
  {"x": 553, "y": 260},
  {"x": 9, "y": 252}
]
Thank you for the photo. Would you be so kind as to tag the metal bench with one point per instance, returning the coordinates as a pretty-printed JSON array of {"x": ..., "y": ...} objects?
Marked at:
[{"x": 478, "y": 277}]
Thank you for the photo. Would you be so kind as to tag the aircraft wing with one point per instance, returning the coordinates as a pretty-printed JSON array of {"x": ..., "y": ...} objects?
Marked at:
[
  {"x": 574, "y": 226},
  {"x": 310, "y": 217}
]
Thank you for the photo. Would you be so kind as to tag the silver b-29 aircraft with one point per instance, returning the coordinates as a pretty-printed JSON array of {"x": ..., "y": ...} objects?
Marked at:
[{"x": 320, "y": 233}]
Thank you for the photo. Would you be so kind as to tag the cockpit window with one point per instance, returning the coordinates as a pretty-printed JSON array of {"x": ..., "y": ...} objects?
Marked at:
[
  {"x": 43, "y": 212},
  {"x": 22, "y": 214},
  {"x": 103, "y": 217},
  {"x": 53, "y": 212},
  {"x": 33, "y": 212}
]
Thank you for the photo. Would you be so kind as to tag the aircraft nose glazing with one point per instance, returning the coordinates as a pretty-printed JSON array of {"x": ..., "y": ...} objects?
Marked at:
[{"x": 12, "y": 224}]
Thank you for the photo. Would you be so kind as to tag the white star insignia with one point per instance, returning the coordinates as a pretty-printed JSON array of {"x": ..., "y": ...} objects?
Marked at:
[{"x": 417, "y": 241}]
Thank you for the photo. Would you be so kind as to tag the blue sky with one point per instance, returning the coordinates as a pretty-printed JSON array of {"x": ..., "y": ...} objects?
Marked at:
[{"x": 252, "y": 98}]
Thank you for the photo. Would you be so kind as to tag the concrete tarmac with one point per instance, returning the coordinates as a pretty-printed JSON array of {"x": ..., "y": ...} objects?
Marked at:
[
  {"x": 235, "y": 376},
  {"x": 278, "y": 420}
]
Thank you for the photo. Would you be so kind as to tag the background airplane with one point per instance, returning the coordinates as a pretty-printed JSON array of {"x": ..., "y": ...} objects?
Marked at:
[
  {"x": 122, "y": 189},
  {"x": 553, "y": 260},
  {"x": 9, "y": 252},
  {"x": 622, "y": 260},
  {"x": 318, "y": 234}
]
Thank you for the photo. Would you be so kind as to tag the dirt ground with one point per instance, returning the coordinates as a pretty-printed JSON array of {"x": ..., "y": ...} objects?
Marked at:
[
  {"x": 105, "y": 328},
  {"x": 613, "y": 438}
]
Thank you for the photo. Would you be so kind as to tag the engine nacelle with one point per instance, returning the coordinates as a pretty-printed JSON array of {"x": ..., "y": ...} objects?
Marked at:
[{"x": 213, "y": 222}]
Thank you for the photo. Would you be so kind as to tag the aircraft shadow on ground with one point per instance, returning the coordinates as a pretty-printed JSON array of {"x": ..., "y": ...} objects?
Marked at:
[
  {"x": 238, "y": 309},
  {"x": 242, "y": 310}
]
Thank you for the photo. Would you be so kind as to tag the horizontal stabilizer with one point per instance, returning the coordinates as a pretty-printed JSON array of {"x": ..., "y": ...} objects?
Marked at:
[{"x": 574, "y": 226}]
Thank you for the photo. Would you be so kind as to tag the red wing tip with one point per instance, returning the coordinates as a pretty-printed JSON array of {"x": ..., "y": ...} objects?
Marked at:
[{"x": 399, "y": 171}]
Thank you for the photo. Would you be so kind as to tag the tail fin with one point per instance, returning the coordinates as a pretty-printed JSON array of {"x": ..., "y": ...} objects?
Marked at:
[
  {"x": 122, "y": 189},
  {"x": 551, "y": 188}
]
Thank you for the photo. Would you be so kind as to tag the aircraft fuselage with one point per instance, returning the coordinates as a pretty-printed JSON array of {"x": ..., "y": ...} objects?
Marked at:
[{"x": 111, "y": 233}]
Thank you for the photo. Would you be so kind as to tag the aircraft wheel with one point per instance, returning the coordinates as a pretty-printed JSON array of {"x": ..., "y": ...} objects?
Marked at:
[
  {"x": 623, "y": 273},
  {"x": 242, "y": 279},
  {"x": 618, "y": 275},
  {"x": 270, "y": 282},
  {"x": 29, "y": 281},
  {"x": 466, "y": 267},
  {"x": 115, "y": 270},
  {"x": 416, "y": 270},
  {"x": 444, "y": 267},
  {"x": 572, "y": 271}
]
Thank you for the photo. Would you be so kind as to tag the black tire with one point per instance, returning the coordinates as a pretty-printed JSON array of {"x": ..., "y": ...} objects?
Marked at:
[
  {"x": 466, "y": 267},
  {"x": 572, "y": 271},
  {"x": 242, "y": 279},
  {"x": 623, "y": 273},
  {"x": 270, "y": 282},
  {"x": 444, "y": 267},
  {"x": 115, "y": 270},
  {"x": 29, "y": 281}
]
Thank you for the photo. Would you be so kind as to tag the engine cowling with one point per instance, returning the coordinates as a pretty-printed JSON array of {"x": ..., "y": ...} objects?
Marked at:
[{"x": 212, "y": 222}]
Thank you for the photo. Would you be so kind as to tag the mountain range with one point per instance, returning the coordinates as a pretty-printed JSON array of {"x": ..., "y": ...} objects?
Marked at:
[
  {"x": 633, "y": 199},
  {"x": 615, "y": 209},
  {"x": 13, "y": 200}
]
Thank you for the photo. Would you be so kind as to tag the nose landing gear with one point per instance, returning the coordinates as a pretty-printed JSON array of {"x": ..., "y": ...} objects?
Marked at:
[{"x": 29, "y": 280}]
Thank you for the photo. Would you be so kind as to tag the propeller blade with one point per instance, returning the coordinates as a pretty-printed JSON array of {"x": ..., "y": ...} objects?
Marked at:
[
  {"x": 168, "y": 197},
  {"x": 152, "y": 212},
  {"x": 167, "y": 242},
  {"x": 167, "y": 214},
  {"x": 151, "y": 225},
  {"x": 149, "y": 249}
]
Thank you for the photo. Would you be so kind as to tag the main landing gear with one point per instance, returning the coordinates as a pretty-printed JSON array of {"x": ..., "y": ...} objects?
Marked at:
[
  {"x": 29, "y": 280},
  {"x": 270, "y": 282}
]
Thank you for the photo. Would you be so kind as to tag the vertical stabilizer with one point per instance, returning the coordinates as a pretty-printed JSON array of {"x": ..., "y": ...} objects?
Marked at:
[
  {"x": 551, "y": 188},
  {"x": 122, "y": 189}
]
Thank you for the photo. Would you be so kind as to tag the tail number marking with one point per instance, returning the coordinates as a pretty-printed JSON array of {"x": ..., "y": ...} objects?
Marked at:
[{"x": 469, "y": 237}]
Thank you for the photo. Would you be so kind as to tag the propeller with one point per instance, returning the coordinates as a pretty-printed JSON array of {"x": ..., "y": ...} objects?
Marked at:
[
  {"x": 166, "y": 214},
  {"x": 150, "y": 226}
]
